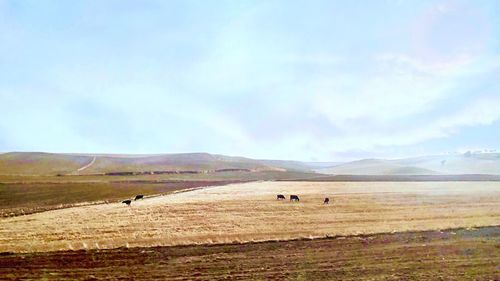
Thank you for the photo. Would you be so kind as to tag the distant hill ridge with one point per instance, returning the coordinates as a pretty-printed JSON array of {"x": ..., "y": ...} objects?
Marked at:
[
  {"x": 468, "y": 163},
  {"x": 41, "y": 163}
]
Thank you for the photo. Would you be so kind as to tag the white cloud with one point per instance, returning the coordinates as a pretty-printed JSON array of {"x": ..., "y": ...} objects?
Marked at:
[
  {"x": 437, "y": 67},
  {"x": 480, "y": 112},
  {"x": 376, "y": 110}
]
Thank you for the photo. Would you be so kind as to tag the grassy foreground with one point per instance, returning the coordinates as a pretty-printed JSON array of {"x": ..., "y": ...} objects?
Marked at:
[{"x": 434, "y": 255}]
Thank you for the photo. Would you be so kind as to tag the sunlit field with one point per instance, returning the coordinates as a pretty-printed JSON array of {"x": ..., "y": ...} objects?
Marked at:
[{"x": 250, "y": 212}]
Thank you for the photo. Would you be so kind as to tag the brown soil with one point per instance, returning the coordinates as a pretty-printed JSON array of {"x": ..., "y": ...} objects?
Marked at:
[{"x": 434, "y": 255}]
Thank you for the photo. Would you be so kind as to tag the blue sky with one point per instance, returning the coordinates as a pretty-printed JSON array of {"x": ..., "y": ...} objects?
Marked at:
[{"x": 304, "y": 80}]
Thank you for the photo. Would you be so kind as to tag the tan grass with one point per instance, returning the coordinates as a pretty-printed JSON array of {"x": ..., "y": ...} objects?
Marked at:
[{"x": 250, "y": 212}]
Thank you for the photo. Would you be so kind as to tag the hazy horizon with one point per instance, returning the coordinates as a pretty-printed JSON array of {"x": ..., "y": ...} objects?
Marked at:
[
  {"x": 279, "y": 159},
  {"x": 318, "y": 81}
]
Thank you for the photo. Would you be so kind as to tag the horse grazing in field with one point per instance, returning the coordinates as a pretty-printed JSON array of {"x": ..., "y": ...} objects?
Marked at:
[
  {"x": 280, "y": 197},
  {"x": 127, "y": 202},
  {"x": 294, "y": 198},
  {"x": 327, "y": 201},
  {"x": 140, "y": 196}
]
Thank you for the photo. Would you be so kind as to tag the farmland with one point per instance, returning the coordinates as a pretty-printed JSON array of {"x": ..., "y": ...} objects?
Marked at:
[
  {"x": 248, "y": 212},
  {"x": 434, "y": 255},
  {"x": 26, "y": 194},
  {"x": 33, "y": 197}
]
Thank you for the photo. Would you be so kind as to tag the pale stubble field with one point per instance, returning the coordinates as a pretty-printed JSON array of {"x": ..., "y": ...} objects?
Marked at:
[{"x": 250, "y": 212}]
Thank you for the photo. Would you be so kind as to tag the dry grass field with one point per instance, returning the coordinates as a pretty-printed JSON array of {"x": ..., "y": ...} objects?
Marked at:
[
  {"x": 250, "y": 212},
  {"x": 21, "y": 195},
  {"x": 23, "y": 198}
]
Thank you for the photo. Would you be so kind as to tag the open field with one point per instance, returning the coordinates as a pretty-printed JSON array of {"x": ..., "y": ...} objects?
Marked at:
[
  {"x": 26, "y": 198},
  {"x": 449, "y": 255},
  {"x": 30, "y": 194},
  {"x": 250, "y": 212},
  {"x": 233, "y": 175}
]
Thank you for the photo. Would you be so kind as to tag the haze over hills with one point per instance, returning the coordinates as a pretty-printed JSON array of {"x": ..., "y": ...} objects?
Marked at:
[
  {"x": 38, "y": 163},
  {"x": 468, "y": 163}
]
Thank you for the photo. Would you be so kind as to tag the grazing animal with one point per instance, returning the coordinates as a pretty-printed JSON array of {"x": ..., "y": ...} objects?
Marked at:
[
  {"x": 127, "y": 202},
  {"x": 140, "y": 196},
  {"x": 280, "y": 197},
  {"x": 327, "y": 201},
  {"x": 294, "y": 198}
]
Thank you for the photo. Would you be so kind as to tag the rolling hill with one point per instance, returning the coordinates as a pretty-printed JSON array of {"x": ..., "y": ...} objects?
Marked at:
[
  {"x": 468, "y": 163},
  {"x": 28, "y": 163},
  {"x": 39, "y": 163}
]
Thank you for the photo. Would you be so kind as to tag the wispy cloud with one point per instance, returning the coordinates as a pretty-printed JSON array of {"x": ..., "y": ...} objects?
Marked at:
[{"x": 326, "y": 81}]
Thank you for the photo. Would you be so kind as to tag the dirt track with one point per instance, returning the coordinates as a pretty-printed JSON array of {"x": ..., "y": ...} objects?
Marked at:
[{"x": 449, "y": 255}]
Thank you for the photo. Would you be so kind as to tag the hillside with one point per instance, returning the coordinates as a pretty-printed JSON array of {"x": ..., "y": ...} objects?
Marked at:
[
  {"x": 376, "y": 167},
  {"x": 40, "y": 163},
  {"x": 298, "y": 165},
  {"x": 37, "y": 163},
  {"x": 468, "y": 163},
  {"x": 27, "y": 163},
  {"x": 45, "y": 164}
]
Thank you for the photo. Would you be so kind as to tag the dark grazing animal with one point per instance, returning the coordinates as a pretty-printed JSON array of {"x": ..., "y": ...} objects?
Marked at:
[
  {"x": 127, "y": 202},
  {"x": 280, "y": 197},
  {"x": 327, "y": 201},
  {"x": 294, "y": 198},
  {"x": 140, "y": 196}
]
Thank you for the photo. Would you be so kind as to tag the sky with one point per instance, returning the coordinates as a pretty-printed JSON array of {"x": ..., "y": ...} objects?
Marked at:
[{"x": 299, "y": 80}]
